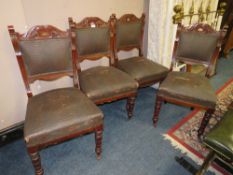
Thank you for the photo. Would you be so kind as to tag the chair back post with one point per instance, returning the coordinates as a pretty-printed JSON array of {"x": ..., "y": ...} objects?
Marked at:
[
  {"x": 14, "y": 40},
  {"x": 75, "y": 65},
  {"x": 74, "y": 43},
  {"x": 37, "y": 60},
  {"x": 88, "y": 23},
  {"x": 112, "y": 22},
  {"x": 142, "y": 33},
  {"x": 179, "y": 25},
  {"x": 222, "y": 34}
]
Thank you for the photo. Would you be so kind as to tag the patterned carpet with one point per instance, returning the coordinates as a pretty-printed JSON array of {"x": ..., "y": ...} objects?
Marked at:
[{"x": 184, "y": 134}]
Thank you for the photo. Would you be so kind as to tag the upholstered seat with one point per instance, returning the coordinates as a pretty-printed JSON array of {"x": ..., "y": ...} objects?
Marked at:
[
  {"x": 188, "y": 87},
  {"x": 220, "y": 139},
  {"x": 58, "y": 113},
  {"x": 94, "y": 39},
  {"x": 102, "y": 82},
  {"x": 142, "y": 69}
]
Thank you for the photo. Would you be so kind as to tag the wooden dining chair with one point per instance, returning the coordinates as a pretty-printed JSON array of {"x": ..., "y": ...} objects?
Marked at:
[
  {"x": 128, "y": 35},
  {"x": 196, "y": 44},
  {"x": 46, "y": 53},
  {"x": 94, "y": 40}
]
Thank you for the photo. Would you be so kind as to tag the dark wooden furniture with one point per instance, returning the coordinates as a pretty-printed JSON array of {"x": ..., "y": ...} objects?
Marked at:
[
  {"x": 44, "y": 53},
  {"x": 220, "y": 143},
  {"x": 128, "y": 35},
  {"x": 229, "y": 43},
  {"x": 94, "y": 40},
  {"x": 197, "y": 44},
  {"x": 227, "y": 23}
]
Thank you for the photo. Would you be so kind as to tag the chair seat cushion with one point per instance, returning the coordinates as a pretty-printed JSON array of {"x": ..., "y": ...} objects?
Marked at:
[
  {"x": 188, "y": 87},
  {"x": 220, "y": 139},
  {"x": 106, "y": 82},
  {"x": 59, "y": 113},
  {"x": 142, "y": 69}
]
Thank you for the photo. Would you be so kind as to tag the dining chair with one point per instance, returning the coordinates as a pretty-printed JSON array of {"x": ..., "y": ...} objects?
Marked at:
[
  {"x": 196, "y": 44},
  {"x": 46, "y": 53},
  {"x": 128, "y": 35},
  {"x": 94, "y": 40}
]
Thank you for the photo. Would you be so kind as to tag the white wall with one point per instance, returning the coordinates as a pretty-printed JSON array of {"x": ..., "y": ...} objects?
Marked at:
[
  {"x": 12, "y": 94},
  {"x": 26, "y": 13}
]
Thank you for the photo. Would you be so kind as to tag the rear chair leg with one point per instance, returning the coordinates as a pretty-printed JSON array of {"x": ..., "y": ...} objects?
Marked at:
[
  {"x": 205, "y": 122},
  {"x": 35, "y": 157},
  {"x": 158, "y": 105},
  {"x": 130, "y": 106},
  {"x": 98, "y": 141}
]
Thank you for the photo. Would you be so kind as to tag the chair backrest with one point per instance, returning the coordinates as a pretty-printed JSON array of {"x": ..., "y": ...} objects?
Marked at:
[
  {"x": 197, "y": 44},
  {"x": 44, "y": 53},
  {"x": 128, "y": 32},
  {"x": 93, "y": 39}
]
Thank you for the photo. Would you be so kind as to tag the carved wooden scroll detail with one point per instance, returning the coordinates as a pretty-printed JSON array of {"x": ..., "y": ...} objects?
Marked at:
[
  {"x": 127, "y": 18},
  {"x": 43, "y": 32},
  {"x": 89, "y": 22}
]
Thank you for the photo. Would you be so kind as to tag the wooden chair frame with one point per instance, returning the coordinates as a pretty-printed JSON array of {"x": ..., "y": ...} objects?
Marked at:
[
  {"x": 203, "y": 28},
  {"x": 47, "y": 32},
  {"x": 89, "y": 22},
  {"x": 126, "y": 19}
]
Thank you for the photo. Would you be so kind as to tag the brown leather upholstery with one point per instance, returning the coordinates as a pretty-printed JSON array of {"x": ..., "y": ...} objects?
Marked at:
[
  {"x": 128, "y": 34},
  {"x": 46, "y": 55},
  {"x": 143, "y": 69},
  {"x": 196, "y": 46},
  {"x": 59, "y": 113},
  {"x": 92, "y": 40},
  {"x": 188, "y": 87},
  {"x": 105, "y": 82}
]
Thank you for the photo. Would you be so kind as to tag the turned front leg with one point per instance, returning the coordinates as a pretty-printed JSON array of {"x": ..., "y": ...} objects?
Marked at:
[
  {"x": 158, "y": 104},
  {"x": 130, "y": 106},
  {"x": 98, "y": 141},
  {"x": 35, "y": 158}
]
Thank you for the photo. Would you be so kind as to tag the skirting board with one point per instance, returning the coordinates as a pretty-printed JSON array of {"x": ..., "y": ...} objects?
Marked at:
[{"x": 11, "y": 133}]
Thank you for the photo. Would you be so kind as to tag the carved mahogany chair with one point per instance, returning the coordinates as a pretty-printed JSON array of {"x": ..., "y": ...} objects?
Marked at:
[
  {"x": 44, "y": 53},
  {"x": 128, "y": 32},
  {"x": 197, "y": 44},
  {"x": 94, "y": 40}
]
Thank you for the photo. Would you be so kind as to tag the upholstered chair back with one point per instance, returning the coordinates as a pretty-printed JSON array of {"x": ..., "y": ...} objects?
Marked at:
[
  {"x": 44, "y": 53},
  {"x": 129, "y": 32},
  {"x": 92, "y": 38},
  {"x": 197, "y": 46}
]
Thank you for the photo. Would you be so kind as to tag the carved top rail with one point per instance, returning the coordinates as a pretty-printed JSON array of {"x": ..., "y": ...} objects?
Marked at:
[
  {"x": 128, "y": 18},
  {"x": 89, "y": 22},
  {"x": 40, "y": 32}
]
